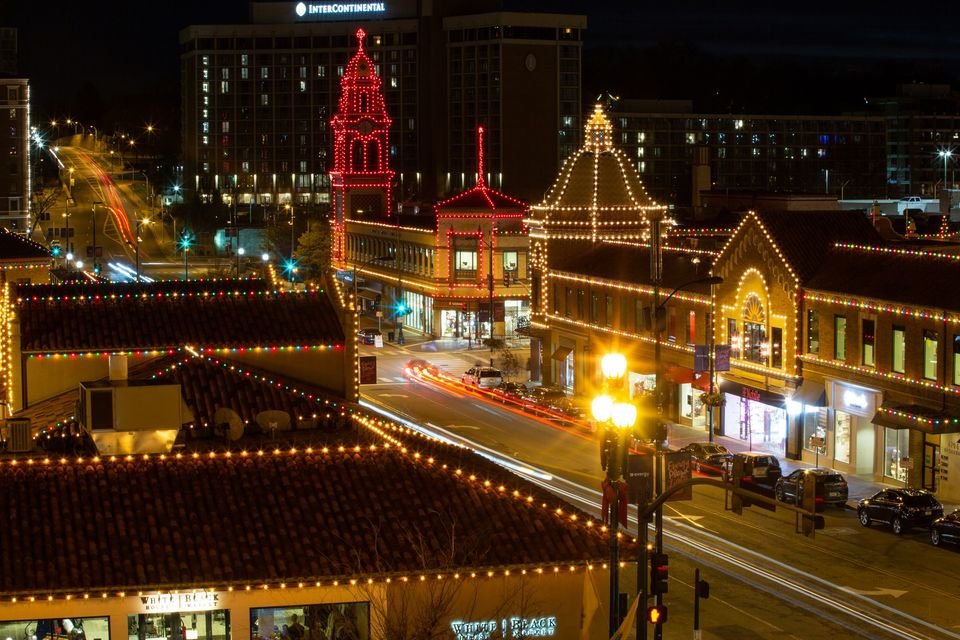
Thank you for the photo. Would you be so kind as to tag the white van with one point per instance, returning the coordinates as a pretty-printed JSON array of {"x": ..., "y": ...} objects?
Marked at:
[{"x": 484, "y": 377}]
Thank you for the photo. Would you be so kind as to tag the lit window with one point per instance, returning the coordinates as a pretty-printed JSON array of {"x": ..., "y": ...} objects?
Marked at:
[
  {"x": 225, "y": 126},
  {"x": 205, "y": 60},
  {"x": 813, "y": 331},
  {"x": 244, "y": 74},
  {"x": 224, "y": 86},
  {"x": 303, "y": 86},
  {"x": 956, "y": 359},
  {"x": 868, "y": 340},
  {"x": 205, "y": 140},
  {"x": 205, "y": 74},
  {"x": 931, "y": 342},
  {"x": 899, "y": 348},
  {"x": 839, "y": 338},
  {"x": 321, "y": 71},
  {"x": 205, "y": 87},
  {"x": 264, "y": 73},
  {"x": 393, "y": 83},
  {"x": 244, "y": 59},
  {"x": 224, "y": 73},
  {"x": 264, "y": 99},
  {"x": 205, "y": 126}
]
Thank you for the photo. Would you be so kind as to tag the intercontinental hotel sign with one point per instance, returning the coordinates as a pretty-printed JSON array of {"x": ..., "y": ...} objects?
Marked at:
[{"x": 321, "y": 10}]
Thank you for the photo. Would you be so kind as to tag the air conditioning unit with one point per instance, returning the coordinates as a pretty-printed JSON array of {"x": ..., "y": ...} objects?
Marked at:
[{"x": 21, "y": 436}]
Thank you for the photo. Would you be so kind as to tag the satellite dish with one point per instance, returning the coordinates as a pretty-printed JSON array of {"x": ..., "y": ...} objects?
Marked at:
[
  {"x": 273, "y": 420},
  {"x": 228, "y": 422}
]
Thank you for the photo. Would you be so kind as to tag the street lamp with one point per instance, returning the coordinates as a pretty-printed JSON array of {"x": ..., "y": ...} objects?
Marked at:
[
  {"x": 140, "y": 222},
  {"x": 619, "y": 416}
]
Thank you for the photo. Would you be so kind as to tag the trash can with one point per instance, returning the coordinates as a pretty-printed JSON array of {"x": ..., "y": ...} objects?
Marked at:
[{"x": 390, "y": 336}]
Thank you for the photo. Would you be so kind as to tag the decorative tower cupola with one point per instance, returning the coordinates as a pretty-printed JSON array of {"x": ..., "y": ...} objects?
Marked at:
[{"x": 361, "y": 177}]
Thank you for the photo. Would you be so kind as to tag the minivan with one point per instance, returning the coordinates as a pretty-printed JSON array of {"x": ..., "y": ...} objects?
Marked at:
[{"x": 484, "y": 377}]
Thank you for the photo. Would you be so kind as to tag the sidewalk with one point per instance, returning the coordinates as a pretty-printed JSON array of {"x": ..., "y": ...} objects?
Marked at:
[{"x": 859, "y": 486}]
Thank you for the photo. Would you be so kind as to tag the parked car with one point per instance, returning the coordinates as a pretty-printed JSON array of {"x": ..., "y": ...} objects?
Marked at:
[
  {"x": 569, "y": 407},
  {"x": 708, "y": 457},
  {"x": 543, "y": 396},
  {"x": 511, "y": 391},
  {"x": 483, "y": 377},
  {"x": 831, "y": 488},
  {"x": 946, "y": 529},
  {"x": 368, "y": 336},
  {"x": 758, "y": 466},
  {"x": 901, "y": 508}
]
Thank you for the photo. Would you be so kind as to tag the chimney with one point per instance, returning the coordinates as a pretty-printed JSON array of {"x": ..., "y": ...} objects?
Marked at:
[{"x": 118, "y": 367}]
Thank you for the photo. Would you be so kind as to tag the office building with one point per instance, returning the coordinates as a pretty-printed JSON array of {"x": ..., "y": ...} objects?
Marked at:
[
  {"x": 257, "y": 98},
  {"x": 15, "y": 183}
]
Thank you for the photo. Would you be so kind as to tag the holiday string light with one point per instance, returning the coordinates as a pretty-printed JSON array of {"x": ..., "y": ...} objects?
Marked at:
[
  {"x": 882, "y": 307},
  {"x": 598, "y": 147},
  {"x": 362, "y": 125},
  {"x": 912, "y": 253},
  {"x": 701, "y": 299},
  {"x": 921, "y": 420},
  {"x": 666, "y": 248},
  {"x": 882, "y": 375}
]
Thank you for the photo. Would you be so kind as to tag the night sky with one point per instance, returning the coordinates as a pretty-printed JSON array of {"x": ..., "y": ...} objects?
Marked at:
[{"x": 124, "y": 55}]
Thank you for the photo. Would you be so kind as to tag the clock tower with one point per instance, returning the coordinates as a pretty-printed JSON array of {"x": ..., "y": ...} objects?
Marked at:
[{"x": 361, "y": 178}]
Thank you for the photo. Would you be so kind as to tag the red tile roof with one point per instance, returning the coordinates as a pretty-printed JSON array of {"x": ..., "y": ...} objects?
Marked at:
[
  {"x": 166, "y": 315},
  {"x": 215, "y": 520},
  {"x": 14, "y": 247}
]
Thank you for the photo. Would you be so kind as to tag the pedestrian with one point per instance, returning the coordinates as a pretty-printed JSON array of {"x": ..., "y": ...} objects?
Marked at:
[{"x": 295, "y": 630}]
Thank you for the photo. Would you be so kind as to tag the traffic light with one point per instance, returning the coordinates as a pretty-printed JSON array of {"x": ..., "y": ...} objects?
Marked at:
[
  {"x": 403, "y": 309},
  {"x": 808, "y": 495},
  {"x": 55, "y": 251},
  {"x": 96, "y": 268},
  {"x": 657, "y": 614},
  {"x": 659, "y": 574}
]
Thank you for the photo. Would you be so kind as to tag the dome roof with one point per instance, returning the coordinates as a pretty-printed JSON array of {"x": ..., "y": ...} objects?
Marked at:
[{"x": 597, "y": 187}]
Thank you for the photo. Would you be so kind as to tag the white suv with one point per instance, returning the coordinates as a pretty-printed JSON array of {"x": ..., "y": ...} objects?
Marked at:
[{"x": 485, "y": 377}]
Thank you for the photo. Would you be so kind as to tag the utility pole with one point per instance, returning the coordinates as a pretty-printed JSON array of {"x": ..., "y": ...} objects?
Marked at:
[
  {"x": 401, "y": 305},
  {"x": 656, "y": 277},
  {"x": 493, "y": 227},
  {"x": 96, "y": 265}
]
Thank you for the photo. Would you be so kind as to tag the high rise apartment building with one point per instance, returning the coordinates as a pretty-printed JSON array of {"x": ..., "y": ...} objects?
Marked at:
[
  {"x": 257, "y": 98},
  {"x": 15, "y": 176}
]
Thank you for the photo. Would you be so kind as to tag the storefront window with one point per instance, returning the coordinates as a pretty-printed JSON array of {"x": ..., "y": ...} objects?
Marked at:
[
  {"x": 839, "y": 338},
  {"x": 690, "y": 405},
  {"x": 868, "y": 339},
  {"x": 776, "y": 348},
  {"x": 815, "y": 426},
  {"x": 899, "y": 349},
  {"x": 896, "y": 445},
  {"x": 510, "y": 261},
  {"x": 186, "y": 625},
  {"x": 931, "y": 340},
  {"x": 57, "y": 628},
  {"x": 841, "y": 437},
  {"x": 349, "y": 620},
  {"x": 754, "y": 339},
  {"x": 763, "y": 427},
  {"x": 465, "y": 264},
  {"x": 813, "y": 331}
]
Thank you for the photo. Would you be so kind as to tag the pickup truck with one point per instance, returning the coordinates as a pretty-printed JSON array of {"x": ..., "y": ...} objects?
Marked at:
[{"x": 915, "y": 204}]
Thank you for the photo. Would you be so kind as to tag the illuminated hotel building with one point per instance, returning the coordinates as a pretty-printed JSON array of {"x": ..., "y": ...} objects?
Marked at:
[
  {"x": 15, "y": 141},
  {"x": 257, "y": 98}
]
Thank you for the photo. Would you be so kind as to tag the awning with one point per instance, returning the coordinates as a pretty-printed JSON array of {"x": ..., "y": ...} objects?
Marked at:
[
  {"x": 682, "y": 375},
  {"x": 811, "y": 394},
  {"x": 916, "y": 417},
  {"x": 561, "y": 353},
  {"x": 368, "y": 294}
]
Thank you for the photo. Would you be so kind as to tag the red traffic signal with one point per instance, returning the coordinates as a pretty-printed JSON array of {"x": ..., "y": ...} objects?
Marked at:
[
  {"x": 659, "y": 573},
  {"x": 657, "y": 614}
]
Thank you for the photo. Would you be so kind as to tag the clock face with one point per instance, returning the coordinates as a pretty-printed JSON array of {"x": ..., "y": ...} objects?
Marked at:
[{"x": 365, "y": 127}]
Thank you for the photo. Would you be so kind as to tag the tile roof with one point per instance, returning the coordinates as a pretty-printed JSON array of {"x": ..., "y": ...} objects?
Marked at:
[
  {"x": 166, "y": 315},
  {"x": 215, "y": 520},
  {"x": 627, "y": 263},
  {"x": 14, "y": 247},
  {"x": 905, "y": 279},
  {"x": 806, "y": 237}
]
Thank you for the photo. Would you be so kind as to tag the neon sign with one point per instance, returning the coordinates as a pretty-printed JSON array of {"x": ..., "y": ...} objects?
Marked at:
[
  {"x": 515, "y": 627},
  {"x": 338, "y": 8},
  {"x": 855, "y": 399}
]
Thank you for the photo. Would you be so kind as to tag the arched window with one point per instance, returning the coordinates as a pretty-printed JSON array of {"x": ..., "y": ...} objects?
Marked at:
[
  {"x": 373, "y": 155},
  {"x": 357, "y": 163}
]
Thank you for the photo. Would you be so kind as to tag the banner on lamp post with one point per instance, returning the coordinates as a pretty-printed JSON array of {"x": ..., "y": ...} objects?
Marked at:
[
  {"x": 640, "y": 478},
  {"x": 677, "y": 469}
]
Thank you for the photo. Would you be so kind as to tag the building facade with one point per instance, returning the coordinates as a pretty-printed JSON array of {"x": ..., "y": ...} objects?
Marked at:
[
  {"x": 258, "y": 98},
  {"x": 678, "y": 152},
  {"x": 15, "y": 177}
]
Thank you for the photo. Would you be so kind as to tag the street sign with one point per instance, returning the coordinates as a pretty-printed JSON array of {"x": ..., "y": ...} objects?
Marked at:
[{"x": 817, "y": 442}]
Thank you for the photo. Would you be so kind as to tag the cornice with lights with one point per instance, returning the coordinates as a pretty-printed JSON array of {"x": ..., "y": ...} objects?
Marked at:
[{"x": 881, "y": 375}]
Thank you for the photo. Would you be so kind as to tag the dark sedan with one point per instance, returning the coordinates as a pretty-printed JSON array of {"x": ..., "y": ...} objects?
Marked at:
[
  {"x": 368, "y": 336},
  {"x": 901, "y": 508},
  {"x": 831, "y": 488},
  {"x": 946, "y": 529},
  {"x": 511, "y": 391},
  {"x": 708, "y": 458}
]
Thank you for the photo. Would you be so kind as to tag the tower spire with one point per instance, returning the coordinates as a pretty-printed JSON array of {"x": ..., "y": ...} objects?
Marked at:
[
  {"x": 481, "y": 182},
  {"x": 361, "y": 34}
]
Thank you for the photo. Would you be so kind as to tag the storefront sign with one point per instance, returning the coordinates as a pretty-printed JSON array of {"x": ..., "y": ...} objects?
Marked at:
[
  {"x": 515, "y": 627},
  {"x": 754, "y": 395},
  {"x": 323, "y": 9},
  {"x": 179, "y": 602},
  {"x": 855, "y": 399},
  {"x": 368, "y": 367}
]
